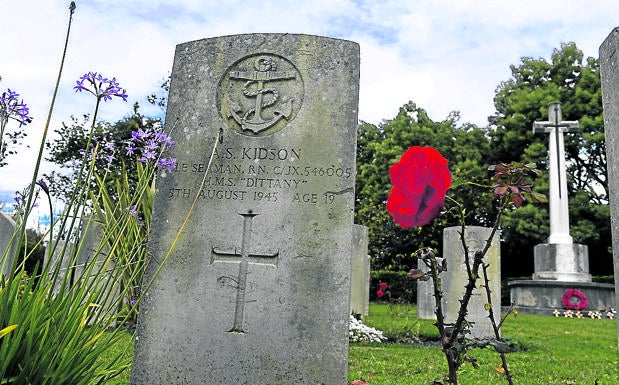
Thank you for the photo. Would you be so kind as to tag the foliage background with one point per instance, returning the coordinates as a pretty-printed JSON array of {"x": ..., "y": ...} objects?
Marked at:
[{"x": 519, "y": 101}]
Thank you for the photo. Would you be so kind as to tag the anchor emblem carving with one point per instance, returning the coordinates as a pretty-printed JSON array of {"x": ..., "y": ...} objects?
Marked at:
[{"x": 260, "y": 97}]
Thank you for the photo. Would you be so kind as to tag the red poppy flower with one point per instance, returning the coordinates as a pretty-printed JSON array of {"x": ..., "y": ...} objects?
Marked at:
[
  {"x": 382, "y": 285},
  {"x": 379, "y": 293},
  {"x": 420, "y": 181}
]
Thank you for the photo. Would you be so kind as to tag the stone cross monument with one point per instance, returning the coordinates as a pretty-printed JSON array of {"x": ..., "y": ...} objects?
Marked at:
[
  {"x": 560, "y": 264},
  {"x": 559, "y": 259},
  {"x": 559, "y": 214}
]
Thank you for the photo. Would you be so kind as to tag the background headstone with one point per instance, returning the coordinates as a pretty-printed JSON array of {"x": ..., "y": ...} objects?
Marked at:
[
  {"x": 454, "y": 280},
  {"x": 609, "y": 65},
  {"x": 103, "y": 276},
  {"x": 60, "y": 262},
  {"x": 7, "y": 228},
  {"x": 360, "y": 281},
  {"x": 257, "y": 288}
]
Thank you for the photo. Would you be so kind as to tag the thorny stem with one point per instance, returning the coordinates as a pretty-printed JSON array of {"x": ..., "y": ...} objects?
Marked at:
[
  {"x": 438, "y": 295},
  {"x": 440, "y": 318},
  {"x": 496, "y": 328},
  {"x": 448, "y": 342},
  {"x": 509, "y": 311},
  {"x": 474, "y": 271}
]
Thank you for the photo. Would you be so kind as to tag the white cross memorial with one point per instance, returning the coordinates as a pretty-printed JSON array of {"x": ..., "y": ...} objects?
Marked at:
[{"x": 559, "y": 214}]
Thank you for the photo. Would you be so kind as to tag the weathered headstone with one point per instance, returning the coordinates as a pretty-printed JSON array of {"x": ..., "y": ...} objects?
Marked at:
[
  {"x": 8, "y": 243},
  {"x": 257, "y": 289},
  {"x": 455, "y": 278},
  {"x": 360, "y": 280},
  {"x": 59, "y": 264},
  {"x": 559, "y": 259},
  {"x": 96, "y": 268},
  {"x": 609, "y": 65}
]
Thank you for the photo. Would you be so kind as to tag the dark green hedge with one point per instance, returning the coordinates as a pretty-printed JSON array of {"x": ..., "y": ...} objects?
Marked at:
[
  {"x": 604, "y": 279},
  {"x": 400, "y": 287}
]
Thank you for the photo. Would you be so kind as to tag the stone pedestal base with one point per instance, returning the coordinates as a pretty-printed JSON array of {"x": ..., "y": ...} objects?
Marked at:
[
  {"x": 562, "y": 262},
  {"x": 544, "y": 296}
]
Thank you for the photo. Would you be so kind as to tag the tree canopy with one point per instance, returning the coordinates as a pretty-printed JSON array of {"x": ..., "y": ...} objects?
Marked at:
[{"x": 67, "y": 151}]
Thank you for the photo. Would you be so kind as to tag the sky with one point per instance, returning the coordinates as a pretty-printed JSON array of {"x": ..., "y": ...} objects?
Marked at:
[{"x": 443, "y": 55}]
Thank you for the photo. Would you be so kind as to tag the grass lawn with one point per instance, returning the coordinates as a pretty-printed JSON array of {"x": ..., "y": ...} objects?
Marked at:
[
  {"x": 565, "y": 351},
  {"x": 554, "y": 351}
]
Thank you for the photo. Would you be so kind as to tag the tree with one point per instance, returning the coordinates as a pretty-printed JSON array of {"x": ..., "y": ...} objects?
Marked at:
[
  {"x": 520, "y": 101},
  {"x": 69, "y": 150}
]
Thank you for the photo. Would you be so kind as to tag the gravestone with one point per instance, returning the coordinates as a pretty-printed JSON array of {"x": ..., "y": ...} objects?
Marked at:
[
  {"x": 95, "y": 267},
  {"x": 455, "y": 278},
  {"x": 609, "y": 66},
  {"x": 360, "y": 279},
  {"x": 257, "y": 288},
  {"x": 7, "y": 243},
  {"x": 60, "y": 262}
]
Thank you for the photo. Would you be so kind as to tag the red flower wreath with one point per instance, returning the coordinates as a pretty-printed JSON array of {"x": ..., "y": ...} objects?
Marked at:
[{"x": 574, "y": 300}]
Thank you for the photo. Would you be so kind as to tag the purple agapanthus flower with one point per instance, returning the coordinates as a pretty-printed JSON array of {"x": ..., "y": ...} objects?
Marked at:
[
  {"x": 151, "y": 144},
  {"x": 139, "y": 134},
  {"x": 12, "y": 108},
  {"x": 167, "y": 163},
  {"x": 149, "y": 155},
  {"x": 41, "y": 183},
  {"x": 163, "y": 138},
  {"x": 102, "y": 88},
  {"x": 133, "y": 210},
  {"x": 148, "y": 145}
]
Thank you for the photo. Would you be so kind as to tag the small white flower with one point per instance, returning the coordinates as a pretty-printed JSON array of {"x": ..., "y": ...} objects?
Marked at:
[{"x": 359, "y": 332}]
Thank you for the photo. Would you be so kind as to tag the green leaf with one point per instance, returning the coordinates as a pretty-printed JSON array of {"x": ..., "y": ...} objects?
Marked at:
[{"x": 7, "y": 330}]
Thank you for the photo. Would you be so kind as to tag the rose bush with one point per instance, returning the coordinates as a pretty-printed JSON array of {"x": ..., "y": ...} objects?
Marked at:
[{"x": 420, "y": 181}]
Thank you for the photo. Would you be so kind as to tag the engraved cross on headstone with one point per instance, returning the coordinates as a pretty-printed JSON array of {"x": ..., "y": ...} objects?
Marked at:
[
  {"x": 559, "y": 214},
  {"x": 218, "y": 255}
]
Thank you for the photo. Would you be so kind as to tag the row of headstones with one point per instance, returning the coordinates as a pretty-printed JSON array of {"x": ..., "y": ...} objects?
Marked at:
[
  {"x": 360, "y": 277},
  {"x": 453, "y": 278}
]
